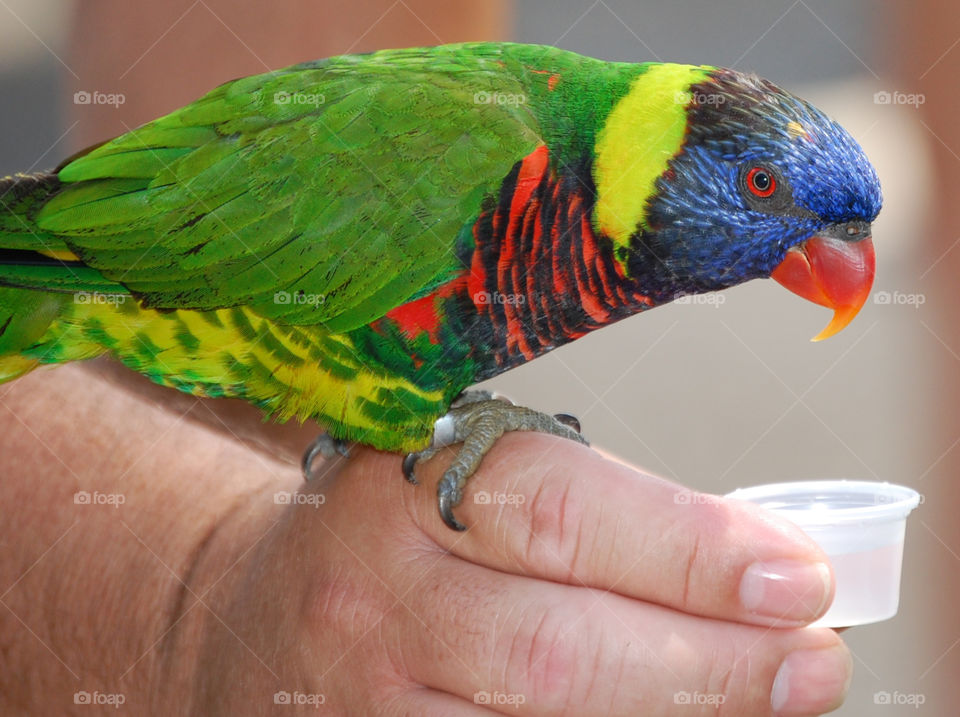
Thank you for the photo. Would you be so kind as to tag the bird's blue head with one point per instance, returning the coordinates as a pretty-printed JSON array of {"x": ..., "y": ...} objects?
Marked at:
[{"x": 764, "y": 185}]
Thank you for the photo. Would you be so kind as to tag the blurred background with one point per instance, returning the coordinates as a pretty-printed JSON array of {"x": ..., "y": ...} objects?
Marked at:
[{"x": 713, "y": 395}]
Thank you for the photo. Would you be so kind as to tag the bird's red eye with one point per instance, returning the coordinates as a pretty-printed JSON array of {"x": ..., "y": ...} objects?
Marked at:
[{"x": 761, "y": 182}]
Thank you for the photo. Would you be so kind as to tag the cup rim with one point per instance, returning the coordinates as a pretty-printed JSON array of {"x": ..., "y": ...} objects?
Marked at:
[{"x": 898, "y": 500}]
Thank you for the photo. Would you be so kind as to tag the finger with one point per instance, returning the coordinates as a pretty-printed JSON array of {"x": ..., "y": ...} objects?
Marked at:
[
  {"x": 550, "y": 649},
  {"x": 553, "y": 509}
]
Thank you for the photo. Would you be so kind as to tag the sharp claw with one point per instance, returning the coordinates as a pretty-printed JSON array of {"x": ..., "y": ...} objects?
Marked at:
[
  {"x": 409, "y": 464},
  {"x": 445, "y": 504},
  {"x": 323, "y": 445},
  {"x": 306, "y": 462},
  {"x": 568, "y": 420},
  {"x": 477, "y": 419}
]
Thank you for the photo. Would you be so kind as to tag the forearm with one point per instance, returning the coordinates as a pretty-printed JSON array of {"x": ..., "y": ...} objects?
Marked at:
[{"x": 118, "y": 515}]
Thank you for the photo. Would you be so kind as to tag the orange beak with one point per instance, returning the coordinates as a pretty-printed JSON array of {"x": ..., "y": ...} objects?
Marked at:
[{"x": 832, "y": 272}]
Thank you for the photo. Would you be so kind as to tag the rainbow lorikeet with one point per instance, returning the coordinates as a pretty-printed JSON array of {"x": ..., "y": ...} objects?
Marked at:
[{"x": 359, "y": 239}]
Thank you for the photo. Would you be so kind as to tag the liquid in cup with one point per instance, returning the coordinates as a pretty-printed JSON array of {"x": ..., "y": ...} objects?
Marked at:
[{"x": 860, "y": 525}]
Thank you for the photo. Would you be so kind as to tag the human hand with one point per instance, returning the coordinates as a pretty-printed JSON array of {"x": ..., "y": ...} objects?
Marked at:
[{"x": 582, "y": 587}]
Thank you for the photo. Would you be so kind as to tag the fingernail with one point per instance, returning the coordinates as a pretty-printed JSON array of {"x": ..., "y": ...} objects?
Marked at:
[
  {"x": 786, "y": 589},
  {"x": 811, "y": 682}
]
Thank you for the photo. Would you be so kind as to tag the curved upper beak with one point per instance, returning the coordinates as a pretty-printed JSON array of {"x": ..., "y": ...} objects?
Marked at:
[{"x": 834, "y": 269}]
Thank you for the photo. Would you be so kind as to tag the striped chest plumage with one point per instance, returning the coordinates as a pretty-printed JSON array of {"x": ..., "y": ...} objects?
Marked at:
[
  {"x": 539, "y": 275},
  {"x": 535, "y": 276}
]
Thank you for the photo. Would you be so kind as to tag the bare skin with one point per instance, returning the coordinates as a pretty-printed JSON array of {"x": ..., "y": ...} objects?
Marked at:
[{"x": 583, "y": 587}]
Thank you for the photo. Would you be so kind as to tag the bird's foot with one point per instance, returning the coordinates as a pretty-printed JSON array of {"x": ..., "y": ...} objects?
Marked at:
[
  {"x": 326, "y": 446},
  {"x": 442, "y": 431},
  {"x": 477, "y": 420}
]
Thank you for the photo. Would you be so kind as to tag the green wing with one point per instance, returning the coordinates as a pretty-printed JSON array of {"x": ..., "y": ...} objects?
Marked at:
[{"x": 345, "y": 179}]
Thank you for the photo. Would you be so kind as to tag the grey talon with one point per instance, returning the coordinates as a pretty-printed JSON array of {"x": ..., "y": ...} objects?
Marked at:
[
  {"x": 323, "y": 445},
  {"x": 409, "y": 464},
  {"x": 445, "y": 503},
  {"x": 306, "y": 462}
]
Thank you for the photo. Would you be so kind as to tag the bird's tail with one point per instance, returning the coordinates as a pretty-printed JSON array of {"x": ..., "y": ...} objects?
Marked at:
[{"x": 40, "y": 280}]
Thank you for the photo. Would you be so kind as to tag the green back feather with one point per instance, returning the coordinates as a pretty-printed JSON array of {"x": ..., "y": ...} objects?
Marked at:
[{"x": 347, "y": 178}]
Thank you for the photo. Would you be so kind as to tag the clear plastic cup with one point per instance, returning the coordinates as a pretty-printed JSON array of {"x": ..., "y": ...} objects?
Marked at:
[{"x": 860, "y": 525}]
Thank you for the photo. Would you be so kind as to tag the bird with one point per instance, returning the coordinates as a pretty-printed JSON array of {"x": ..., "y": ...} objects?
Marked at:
[{"x": 360, "y": 239}]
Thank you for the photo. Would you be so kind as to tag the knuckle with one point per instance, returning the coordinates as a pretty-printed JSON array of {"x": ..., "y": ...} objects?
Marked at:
[
  {"x": 729, "y": 673},
  {"x": 543, "y": 654},
  {"x": 701, "y": 572},
  {"x": 691, "y": 569},
  {"x": 733, "y": 680},
  {"x": 566, "y": 664},
  {"x": 555, "y": 516},
  {"x": 612, "y": 659}
]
